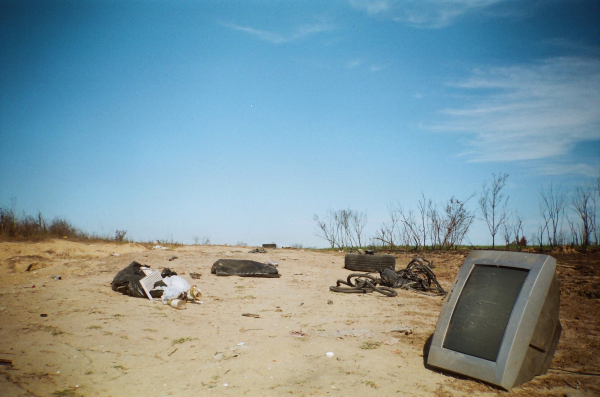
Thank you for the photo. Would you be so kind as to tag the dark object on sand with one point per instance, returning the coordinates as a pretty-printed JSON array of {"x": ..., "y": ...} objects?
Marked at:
[
  {"x": 195, "y": 275},
  {"x": 257, "y": 251},
  {"x": 417, "y": 277},
  {"x": 172, "y": 258},
  {"x": 243, "y": 268},
  {"x": 369, "y": 263},
  {"x": 167, "y": 273},
  {"x": 269, "y": 245},
  {"x": 127, "y": 282},
  {"x": 363, "y": 283},
  {"x": 6, "y": 362}
]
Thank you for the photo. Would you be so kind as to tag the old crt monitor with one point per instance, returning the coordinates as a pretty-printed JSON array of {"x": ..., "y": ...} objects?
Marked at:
[{"x": 499, "y": 323}]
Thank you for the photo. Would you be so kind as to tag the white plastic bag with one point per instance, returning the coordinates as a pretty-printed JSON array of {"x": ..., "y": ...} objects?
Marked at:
[{"x": 175, "y": 286}]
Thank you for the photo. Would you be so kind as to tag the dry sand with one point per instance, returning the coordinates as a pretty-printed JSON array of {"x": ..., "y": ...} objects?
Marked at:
[{"x": 97, "y": 342}]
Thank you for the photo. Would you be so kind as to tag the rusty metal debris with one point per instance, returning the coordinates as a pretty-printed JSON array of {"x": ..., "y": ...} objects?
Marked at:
[{"x": 417, "y": 277}]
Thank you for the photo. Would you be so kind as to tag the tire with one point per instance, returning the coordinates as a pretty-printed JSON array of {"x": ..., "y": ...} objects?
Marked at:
[{"x": 369, "y": 263}]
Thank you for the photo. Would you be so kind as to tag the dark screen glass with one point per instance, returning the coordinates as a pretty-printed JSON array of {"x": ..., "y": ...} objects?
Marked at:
[{"x": 481, "y": 314}]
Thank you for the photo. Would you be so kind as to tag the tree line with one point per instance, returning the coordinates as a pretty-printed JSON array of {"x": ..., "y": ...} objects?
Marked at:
[{"x": 567, "y": 218}]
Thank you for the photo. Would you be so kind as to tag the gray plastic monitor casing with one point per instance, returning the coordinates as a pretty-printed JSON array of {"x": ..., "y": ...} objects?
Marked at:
[{"x": 532, "y": 331}]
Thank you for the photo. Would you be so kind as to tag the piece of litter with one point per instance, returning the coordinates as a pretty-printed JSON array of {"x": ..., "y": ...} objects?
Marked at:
[
  {"x": 250, "y": 315},
  {"x": 225, "y": 384},
  {"x": 405, "y": 330},
  {"x": 115, "y": 254},
  {"x": 298, "y": 334},
  {"x": 329, "y": 354},
  {"x": 241, "y": 343}
]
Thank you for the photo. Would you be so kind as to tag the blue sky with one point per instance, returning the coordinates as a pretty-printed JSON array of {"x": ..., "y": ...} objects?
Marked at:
[{"x": 238, "y": 121}]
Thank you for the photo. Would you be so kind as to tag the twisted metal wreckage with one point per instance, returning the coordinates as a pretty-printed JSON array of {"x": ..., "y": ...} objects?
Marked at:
[{"x": 417, "y": 277}]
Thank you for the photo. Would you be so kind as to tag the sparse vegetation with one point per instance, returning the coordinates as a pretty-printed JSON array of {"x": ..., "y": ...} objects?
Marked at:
[
  {"x": 369, "y": 345},
  {"x": 180, "y": 340}
]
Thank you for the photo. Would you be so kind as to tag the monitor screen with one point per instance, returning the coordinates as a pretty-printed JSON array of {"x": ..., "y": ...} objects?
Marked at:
[
  {"x": 499, "y": 323},
  {"x": 483, "y": 309}
]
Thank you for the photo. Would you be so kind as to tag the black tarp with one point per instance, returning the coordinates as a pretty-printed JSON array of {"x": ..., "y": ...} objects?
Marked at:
[
  {"x": 127, "y": 282},
  {"x": 243, "y": 268}
]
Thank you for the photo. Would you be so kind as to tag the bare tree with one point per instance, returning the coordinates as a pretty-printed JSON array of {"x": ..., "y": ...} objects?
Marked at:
[
  {"x": 493, "y": 204},
  {"x": 410, "y": 228},
  {"x": 507, "y": 231},
  {"x": 386, "y": 234},
  {"x": 358, "y": 221},
  {"x": 517, "y": 228},
  {"x": 583, "y": 203},
  {"x": 423, "y": 205},
  {"x": 457, "y": 222},
  {"x": 552, "y": 207},
  {"x": 342, "y": 228},
  {"x": 327, "y": 228},
  {"x": 540, "y": 235}
]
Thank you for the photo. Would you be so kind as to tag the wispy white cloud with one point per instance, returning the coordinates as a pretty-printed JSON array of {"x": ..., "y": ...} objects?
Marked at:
[
  {"x": 354, "y": 63},
  {"x": 279, "y": 38},
  {"x": 527, "y": 112},
  {"x": 422, "y": 13},
  {"x": 555, "y": 168}
]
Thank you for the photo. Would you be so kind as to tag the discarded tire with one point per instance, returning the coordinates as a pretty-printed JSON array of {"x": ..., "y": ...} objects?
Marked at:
[{"x": 369, "y": 263}]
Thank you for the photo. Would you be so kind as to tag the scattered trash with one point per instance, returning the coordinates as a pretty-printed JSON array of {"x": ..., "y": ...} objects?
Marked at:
[
  {"x": 167, "y": 273},
  {"x": 43, "y": 315},
  {"x": 404, "y": 330},
  {"x": 298, "y": 334},
  {"x": 115, "y": 254},
  {"x": 250, "y": 315},
  {"x": 127, "y": 281},
  {"x": 195, "y": 276},
  {"x": 243, "y": 268},
  {"x": 329, "y": 354},
  {"x": 363, "y": 283},
  {"x": 172, "y": 258},
  {"x": 5, "y": 362},
  {"x": 241, "y": 343},
  {"x": 159, "y": 247},
  {"x": 143, "y": 282},
  {"x": 257, "y": 251},
  {"x": 177, "y": 304},
  {"x": 358, "y": 333},
  {"x": 417, "y": 277}
]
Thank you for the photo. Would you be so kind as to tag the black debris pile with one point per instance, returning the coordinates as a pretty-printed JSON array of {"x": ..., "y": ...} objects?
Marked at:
[
  {"x": 418, "y": 276},
  {"x": 243, "y": 268},
  {"x": 127, "y": 281},
  {"x": 257, "y": 251}
]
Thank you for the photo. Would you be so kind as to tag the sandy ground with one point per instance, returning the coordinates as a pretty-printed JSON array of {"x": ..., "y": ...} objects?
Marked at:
[{"x": 97, "y": 342}]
